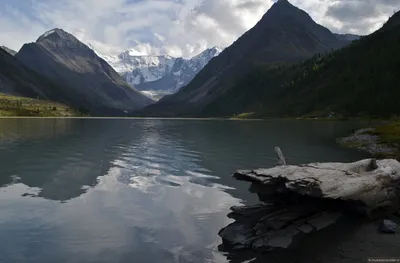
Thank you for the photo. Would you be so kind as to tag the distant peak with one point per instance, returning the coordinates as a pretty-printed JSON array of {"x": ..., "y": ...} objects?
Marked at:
[
  {"x": 133, "y": 53},
  {"x": 283, "y": 10},
  {"x": 216, "y": 51},
  {"x": 282, "y": 2},
  {"x": 56, "y": 31},
  {"x": 284, "y": 6},
  {"x": 216, "y": 48}
]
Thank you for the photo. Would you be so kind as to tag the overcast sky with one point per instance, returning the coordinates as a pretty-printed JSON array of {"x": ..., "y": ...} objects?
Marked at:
[{"x": 176, "y": 27}]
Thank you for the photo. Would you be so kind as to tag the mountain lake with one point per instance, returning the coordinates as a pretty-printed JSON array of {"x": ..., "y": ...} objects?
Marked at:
[{"x": 143, "y": 190}]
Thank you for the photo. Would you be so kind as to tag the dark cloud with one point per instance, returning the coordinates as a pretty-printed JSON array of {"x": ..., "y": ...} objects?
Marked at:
[
  {"x": 351, "y": 12},
  {"x": 249, "y": 5},
  {"x": 360, "y": 16}
]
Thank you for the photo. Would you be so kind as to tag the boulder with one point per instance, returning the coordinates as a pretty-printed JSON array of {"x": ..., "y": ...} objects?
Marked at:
[{"x": 387, "y": 226}]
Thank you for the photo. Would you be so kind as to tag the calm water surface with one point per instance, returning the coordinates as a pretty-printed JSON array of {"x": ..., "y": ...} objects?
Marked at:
[{"x": 130, "y": 190}]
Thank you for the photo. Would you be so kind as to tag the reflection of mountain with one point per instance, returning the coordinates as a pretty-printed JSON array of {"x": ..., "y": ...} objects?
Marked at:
[
  {"x": 63, "y": 157},
  {"x": 23, "y": 129},
  {"x": 221, "y": 151},
  {"x": 58, "y": 156}
]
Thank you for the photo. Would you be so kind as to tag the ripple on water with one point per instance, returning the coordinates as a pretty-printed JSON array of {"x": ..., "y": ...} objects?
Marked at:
[
  {"x": 168, "y": 181},
  {"x": 143, "y": 175},
  {"x": 148, "y": 193}
]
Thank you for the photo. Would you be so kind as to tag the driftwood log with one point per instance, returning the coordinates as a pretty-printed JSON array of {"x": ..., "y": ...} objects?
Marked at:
[{"x": 300, "y": 199}]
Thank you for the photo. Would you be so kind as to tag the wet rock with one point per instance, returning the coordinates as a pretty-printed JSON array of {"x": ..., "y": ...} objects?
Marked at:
[
  {"x": 324, "y": 220},
  {"x": 306, "y": 228},
  {"x": 387, "y": 226},
  {"x": 239, "y": 235}
]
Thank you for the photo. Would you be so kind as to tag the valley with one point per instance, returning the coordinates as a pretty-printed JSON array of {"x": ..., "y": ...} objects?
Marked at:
[
  {"x": 158, "y": 75},
  {"x": 122, "y": 123},
  {"x": 287, "y": 65}
]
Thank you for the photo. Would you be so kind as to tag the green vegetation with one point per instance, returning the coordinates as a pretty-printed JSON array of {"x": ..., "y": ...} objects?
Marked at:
[
  {"x": 245, "y": 115},
  {"x": 21, "y": 106},
  {"x": 360, "y": 80},
  {"x": 382, "y": 141},
  {"x": 389, "y": 133}
]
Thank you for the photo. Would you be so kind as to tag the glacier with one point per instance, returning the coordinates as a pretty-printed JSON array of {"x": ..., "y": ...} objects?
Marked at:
[{"x": 157, "y": 75}]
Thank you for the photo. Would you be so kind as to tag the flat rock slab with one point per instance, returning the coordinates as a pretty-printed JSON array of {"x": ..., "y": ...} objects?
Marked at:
[
  {"x": 302, "y": 199},
  {"x": 373, "y": 183}
]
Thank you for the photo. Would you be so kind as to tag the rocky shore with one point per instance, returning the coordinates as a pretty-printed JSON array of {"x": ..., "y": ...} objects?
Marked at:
[
  {"x": 368, "y": 140},
  {"x": 301, "y": 199}
]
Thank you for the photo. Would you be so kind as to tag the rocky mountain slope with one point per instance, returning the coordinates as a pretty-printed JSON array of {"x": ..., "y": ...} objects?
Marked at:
[
  {"x": 9, "y": 50},
  {"x": 157, "y": 76},
  {"x": 358, "y": 80},
  {"x": 284, "y": 34},
  {"x": 17, "y": 79},
  {"x": 89, "y": 82}
]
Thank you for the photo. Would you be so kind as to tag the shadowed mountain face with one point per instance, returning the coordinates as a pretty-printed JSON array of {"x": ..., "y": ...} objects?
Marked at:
[
  {"x": 17, "y": 79},
  {"x": 347, "y": 37},
  {"x": 284, "y": 34},
  {"x": 90, "y": 81},
  {"x": 358, "y": 80}
]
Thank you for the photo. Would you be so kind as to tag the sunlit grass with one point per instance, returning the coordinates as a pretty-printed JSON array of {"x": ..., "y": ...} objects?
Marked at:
[
  {"x": 244, "y": 115},
  {"x": 21, "y": 106},
  {"x": 389, "y": 133}
]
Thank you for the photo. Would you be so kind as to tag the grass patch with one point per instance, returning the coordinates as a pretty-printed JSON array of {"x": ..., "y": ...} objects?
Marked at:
[
  {"x": 21, "y": 106},
  {"x": 244, "y": 115},
  {"x": 389, "y": 133}
]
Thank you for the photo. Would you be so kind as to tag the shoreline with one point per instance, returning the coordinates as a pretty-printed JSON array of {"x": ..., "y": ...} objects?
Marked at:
[
  {"x": 121, "y": 117},
  {"x": 382, "y": 141},
  {"x": 198, "y": 118}
]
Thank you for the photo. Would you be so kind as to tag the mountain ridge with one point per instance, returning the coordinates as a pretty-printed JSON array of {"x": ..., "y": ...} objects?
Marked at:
[
  {"x": 159, "y": 75},
  {"x": 359, "y": 80},
  {"x": 284, "y": 34},
  {"x": 9, "y": 50},
  {"x": 19, "y": 80},
  {"x": 95, "y": 84}
]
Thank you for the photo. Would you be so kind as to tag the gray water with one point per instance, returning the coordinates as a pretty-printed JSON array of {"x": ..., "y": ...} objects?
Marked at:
[{"x": 137, "y": 190}]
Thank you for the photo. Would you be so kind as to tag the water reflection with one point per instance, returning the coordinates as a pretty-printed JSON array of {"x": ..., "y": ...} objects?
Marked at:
[
  {"x": 133, "y": 190},
  {"x": 62, "y": 157}
]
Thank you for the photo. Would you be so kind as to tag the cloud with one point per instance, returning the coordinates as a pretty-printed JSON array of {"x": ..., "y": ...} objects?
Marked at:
[
  {"x": 176, "y": 27},
  {"x": 361, "y": 16}
]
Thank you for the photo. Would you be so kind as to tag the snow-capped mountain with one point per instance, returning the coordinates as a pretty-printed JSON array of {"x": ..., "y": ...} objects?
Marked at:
[
  {"x": 158, "y": 75},
  {"x": 185, "y": 70},
  {"x": 145, "y": 68}
]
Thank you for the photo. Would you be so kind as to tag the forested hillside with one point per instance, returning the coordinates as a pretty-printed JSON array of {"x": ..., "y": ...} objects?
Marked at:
[{"x": 361, "y": 79}]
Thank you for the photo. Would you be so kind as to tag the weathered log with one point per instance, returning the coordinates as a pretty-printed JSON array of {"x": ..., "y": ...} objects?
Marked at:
[
  {"x": 301, "y": 199},
  {"x": 375, "y": 188}
]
